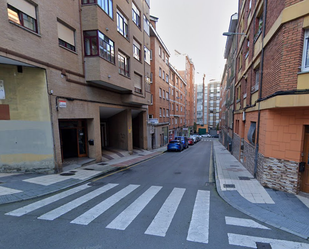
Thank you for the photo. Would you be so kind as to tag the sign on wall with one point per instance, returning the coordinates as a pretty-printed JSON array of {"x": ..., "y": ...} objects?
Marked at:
[
  {"x": 2, "y": 92},
  {"x": 62, "y": 104}
]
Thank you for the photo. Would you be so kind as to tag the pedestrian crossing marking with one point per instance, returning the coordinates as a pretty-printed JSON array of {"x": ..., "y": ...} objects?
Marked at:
[
  {"x": 250, "y": 241},
  {"x": 163, "y": 219},
  {"x": 123, "y": 220},
  {"x": 36, "y": 205},
  {"x": 75, "y": 203},
  {"x": 199, "y": 225},
  {"x": 243, "y": 222},
  {"x": 99, "y": 209}
]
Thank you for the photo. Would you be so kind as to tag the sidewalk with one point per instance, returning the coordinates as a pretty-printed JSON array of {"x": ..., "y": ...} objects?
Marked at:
[
  {"x": 238, "y": 187},
  {"x": 18, "y": 187}
]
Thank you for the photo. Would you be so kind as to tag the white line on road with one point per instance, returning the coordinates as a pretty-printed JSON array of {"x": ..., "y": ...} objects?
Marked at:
[
  {"x": 243, "y": 223},
  {"x": 122, "y": 221},
  {"x": 199, "y": 225},
  {"x": 36, "y": 205},
  {"x": 75, "y": 203},
  {"x": 163, "y": 219},
  {"x": 99, "y": 209},
  {"x": 250, "y": 241}
]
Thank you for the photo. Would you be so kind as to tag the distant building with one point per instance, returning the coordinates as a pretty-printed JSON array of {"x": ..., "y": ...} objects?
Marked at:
[{"x": 213, "y": 104}]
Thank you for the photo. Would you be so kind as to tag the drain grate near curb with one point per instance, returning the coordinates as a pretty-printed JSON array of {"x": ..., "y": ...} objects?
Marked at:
[
  {"x": 260, "y": 245},
  {"x": 244, "y": 178},
  {"x": 67, "y": 174},
  {"x": 102, "y": 163},
  {"x": 229, "y": 185}
]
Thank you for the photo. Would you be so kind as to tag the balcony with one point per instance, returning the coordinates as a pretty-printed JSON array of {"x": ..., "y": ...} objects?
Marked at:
[{"x": 136, "y": 99}]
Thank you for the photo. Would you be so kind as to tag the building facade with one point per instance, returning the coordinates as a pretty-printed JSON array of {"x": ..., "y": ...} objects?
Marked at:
[
  {"x": 73, "y": 85},
  {"x": 271, "y": 120},
  {"x": 213, "y": 104}
]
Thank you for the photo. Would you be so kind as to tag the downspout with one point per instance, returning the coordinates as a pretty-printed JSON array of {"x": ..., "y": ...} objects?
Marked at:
[{"x": 260, "y": 93}]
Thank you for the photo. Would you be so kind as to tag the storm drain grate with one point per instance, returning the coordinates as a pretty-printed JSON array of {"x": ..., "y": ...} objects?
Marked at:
[
  {"x": 102, "y": 163},
  {"x": 244, "y": 178},
  {"x": 68, "y": 174},
  {"x": 260, "y": 245},
  {"x": 229, "y": 185}
]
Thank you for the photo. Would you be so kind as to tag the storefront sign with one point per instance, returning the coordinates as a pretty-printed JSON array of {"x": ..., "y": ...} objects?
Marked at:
[{"x": 2, "y": 92}]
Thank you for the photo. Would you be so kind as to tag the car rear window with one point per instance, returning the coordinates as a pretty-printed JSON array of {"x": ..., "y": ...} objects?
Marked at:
[{"x": 174, "y": 142}]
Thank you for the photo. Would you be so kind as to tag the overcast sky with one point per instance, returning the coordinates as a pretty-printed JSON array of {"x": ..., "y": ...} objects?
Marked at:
[{"x": 195, "y": 27}]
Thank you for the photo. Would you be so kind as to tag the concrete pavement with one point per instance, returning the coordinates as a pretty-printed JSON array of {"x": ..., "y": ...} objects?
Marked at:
[{"x": 234, "y": 184}]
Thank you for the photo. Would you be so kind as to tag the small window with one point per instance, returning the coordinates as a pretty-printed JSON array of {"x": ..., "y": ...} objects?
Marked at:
[
  {"x": 23, "y": 13},
  {"x": 305, "y": 63},
  {"x": 251, "y": 133},
  {"x": 136, "y": 15},
  {"x": 147, "y": 55},
  {"x": 137, "y": 83},
  {"x": 122, "y": 24},
  {"x": 146, "y": 25},
  {"x": 163, "y": 94},
  {"x": 160, "y": 72},
  {"x": 167, "y": 78},
  {"x": 123, "y": 64},
  {"x": 136, "y": 50},
  {"x": 66, "y": 36},
  {"x": 160, "y": 92}
]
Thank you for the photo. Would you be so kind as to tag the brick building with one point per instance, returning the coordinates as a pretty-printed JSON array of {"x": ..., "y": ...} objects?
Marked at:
[
  {"x": 74, "y": 79},
  {"x": 271, "y": 120}
]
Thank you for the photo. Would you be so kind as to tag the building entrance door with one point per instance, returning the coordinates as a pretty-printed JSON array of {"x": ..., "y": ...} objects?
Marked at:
[
  {"x": 305, "y": 175},
  {"x": 73, "y": 138}
]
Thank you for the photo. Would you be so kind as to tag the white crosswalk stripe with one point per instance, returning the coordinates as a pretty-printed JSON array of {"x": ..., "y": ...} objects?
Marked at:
[
  {"x": 122, "y": 221},
  {"x": 36, "y": 205},
  {"x": 199, "y": 225},
  {"x": 243, "y": 223},
  {"x": 99, "y": 209},
  {"x": 77, "y": 202},
  {"x": 163, "y": 219}
]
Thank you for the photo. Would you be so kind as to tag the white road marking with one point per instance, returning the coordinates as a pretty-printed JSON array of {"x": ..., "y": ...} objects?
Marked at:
[
  {"x": 199, "y": 225},
  {"x": 8, "y": 191},
  {"x": 250, "y": 241},
  {"x": 75, "y": 203},
  {"x": 163, "y": 219},
  {"x": 36, "y": 205},
  {"x": 99, "y": 209},
  {"x": 243, "y": 223},
  {"x": 122, "y": 221}
]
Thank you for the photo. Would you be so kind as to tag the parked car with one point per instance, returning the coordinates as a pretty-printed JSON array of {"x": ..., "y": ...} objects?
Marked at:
[
  {"x": 190, "y": 141},
  {"x": 197, "y": 137},
  {"x": 215, "y": 136},
  {"x": 184, "y": 141},
  {"x": 194, "y": 138},
  {"x": 206, "y": 135},
  {"x": 175, "y": 145}
]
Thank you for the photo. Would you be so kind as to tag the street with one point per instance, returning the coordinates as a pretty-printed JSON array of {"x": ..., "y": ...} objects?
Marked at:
[{"x": 169, "y": 201}]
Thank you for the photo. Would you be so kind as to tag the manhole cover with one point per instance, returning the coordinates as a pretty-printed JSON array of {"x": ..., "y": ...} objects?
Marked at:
[
  {"x": 102, "y": 163},
  {"x": 244, "y": 178},
  {"x": 260, "y": 245},
  {"x": 228, "y": 185},
  {"x": 67, "y": 174}
]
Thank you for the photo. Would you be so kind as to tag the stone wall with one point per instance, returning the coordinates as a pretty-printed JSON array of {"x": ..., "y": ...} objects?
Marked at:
[
  {"x": 236, "y": 146},
  {"x": 280, "y": 174},
  {"x": 249, "y": 156}
]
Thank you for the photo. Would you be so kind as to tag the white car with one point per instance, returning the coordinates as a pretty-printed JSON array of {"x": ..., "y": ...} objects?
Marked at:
[{"x": 206, "y": 135}]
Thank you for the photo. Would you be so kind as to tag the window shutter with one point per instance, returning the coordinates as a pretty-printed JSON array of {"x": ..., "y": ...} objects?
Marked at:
[
  {"x": 66, "y": 34},
  {"x": 23, "y": 6}
]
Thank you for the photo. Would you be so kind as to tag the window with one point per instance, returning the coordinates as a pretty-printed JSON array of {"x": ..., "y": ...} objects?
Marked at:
[
  {"x": 106, "y": 5},
  {"x": 122, "y": 24},
  {"x": 167, "y": 78},
  {"x": 167, "y": 95},
  {"x": 160, "y": 72},
  {"x": 137, "y": 83},
  {"x": 123, "y": 64},
  {"x": 106, "y": 45},
  {"x": 163, "y": 75},
  {"x": 163, "y": 57},
  {"x": 160, "y": 112},
  {"x": 147, "y": 55},
  {"x": 66, "y": 36},
  {"x": 136, "y": 15},
  {"x": 136, "y": 50},
  {"x": 22, "y": 13},
  {"x": 167, "y": 113},
  {"x": 146, "y": 25},
  {"x": 166, "y": 59},
  {"x": 305, "y": 64},
  {"x": 160, "y": 51},
  {"x": 151, "y": 77},
  {"x": 163, "y": 112},
  {"x": 160, "y": 92},
  {"x": 172, "y": 92},
  {"x": 175, "y": 120},
  {"x": 163, "y": 94},
  {"x": 251, "y": 133},
  {"x": 255, "y": 86},
  {"x": 176, "y": 108},
  {"x": 177, "y": 80},
  {"x": 181, "y": 108}
]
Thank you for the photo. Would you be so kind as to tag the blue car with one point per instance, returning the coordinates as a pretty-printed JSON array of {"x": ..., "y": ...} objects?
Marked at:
[
  {"x": 175, "y": 145},
  {"x": 184, "y": 141}
]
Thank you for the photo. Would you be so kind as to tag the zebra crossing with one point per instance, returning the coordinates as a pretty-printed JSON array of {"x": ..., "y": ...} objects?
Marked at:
[{"x": 198, "y": 228}]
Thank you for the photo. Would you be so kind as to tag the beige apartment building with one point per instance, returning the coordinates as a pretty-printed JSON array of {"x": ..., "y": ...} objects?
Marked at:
[{"x": 74, "y": 80}]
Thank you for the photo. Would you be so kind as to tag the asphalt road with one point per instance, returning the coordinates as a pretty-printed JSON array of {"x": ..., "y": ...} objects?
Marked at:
[{"x": 166, "y": 202}]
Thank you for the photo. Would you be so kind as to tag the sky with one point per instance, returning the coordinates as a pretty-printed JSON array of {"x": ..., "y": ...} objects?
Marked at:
[{"x": 195, "y": 28}]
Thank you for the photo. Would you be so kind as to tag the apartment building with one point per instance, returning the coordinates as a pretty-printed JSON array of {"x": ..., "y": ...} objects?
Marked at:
[
  {"x": 177, "y": 90},
  {"x": 74, "y": 79},
  {"x": 159, "y": 111},
  {"x": 271, "y": 121},
  {"x": 213, "y": 103},
  {"x": 228, "y": 85}
]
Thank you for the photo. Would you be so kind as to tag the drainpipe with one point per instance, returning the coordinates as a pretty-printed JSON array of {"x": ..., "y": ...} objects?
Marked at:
[{"x": 260, "y": 93}]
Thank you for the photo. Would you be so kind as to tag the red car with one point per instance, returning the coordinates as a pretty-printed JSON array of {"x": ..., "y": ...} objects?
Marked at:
[{"x": 190, "y": 141}]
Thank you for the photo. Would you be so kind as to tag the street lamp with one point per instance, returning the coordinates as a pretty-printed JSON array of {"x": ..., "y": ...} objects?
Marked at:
[{"x": 232, "y": 33}]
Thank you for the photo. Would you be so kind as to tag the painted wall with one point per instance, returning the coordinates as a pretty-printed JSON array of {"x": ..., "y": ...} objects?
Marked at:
[{"x": 26, "y": 143}]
